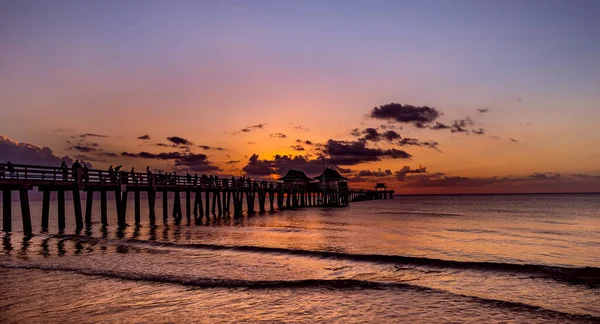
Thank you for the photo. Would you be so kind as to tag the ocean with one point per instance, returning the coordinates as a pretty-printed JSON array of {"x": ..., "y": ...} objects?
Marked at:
[{"x": 416, "y": 259}]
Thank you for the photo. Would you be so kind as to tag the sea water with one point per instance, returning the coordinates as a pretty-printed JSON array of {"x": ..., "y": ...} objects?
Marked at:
[{"x": 471, "y": 258}]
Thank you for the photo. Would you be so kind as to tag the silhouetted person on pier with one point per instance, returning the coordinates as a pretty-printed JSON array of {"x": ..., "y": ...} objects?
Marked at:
[
  {"x": 10, "y": 169},
  {"x": 133, "y": 175},
  {"x": 204, "y": 178},
  {"x": 189, "y": 178},
  {"x": 233, "y": 181},
  {"x": 149, "y": 174},
  {"x": 195, "y": 179},
  {"x": 75, "y": 168},
  {"x": 65, "y": 170},
  {"x": 118, "y": 172},
  {"x": 111, "y": 174}
]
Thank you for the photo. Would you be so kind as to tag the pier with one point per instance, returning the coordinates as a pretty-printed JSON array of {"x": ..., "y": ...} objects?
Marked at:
[{"x": 202, "y": 196}]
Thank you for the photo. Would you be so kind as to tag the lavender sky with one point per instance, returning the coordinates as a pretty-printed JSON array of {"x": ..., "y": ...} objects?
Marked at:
[{"x": 259, "y": 87}]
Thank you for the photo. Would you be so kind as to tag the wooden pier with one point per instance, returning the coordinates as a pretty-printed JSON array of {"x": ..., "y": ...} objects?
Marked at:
[{"x": 203, "y": 196}]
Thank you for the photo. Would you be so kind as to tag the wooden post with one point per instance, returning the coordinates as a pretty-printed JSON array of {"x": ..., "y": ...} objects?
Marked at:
[
  {"x": 228, "y": 203},
  {"x": 165, "y": 206},
  {"x": 261, "y": 201},
  {"x": 214, "y": 203},
  {"x": 6, "y": 210},
  {"x": 271, "y": 198},
  {"x": 122, "y": 221},
  {"x": 45, "y": 209},
  {"x": 196, "y": 205},
  {"x": 289, "y": 198},
  {"x": 177, "y": 207},
  {"x": 61, "y": 210},
  {"x": 188, "y": 211},
  {"x": 88, "y": 207},
  {"x": 219, "y": 207},
  {"x": 124, "y": 206},
  {"x": 25, "y": 213},
  {"x": 280, "y": 200},
  {"x": 77, "y": 208},
  {"x": 207, "y": 203},
  {"x": 103, "y": 209},
  {"x": 119, "y": 205},
  {"x": 200, "y": 207},
  {"x": 136, "y": 197},
  {"x": 151, "y": 204}
]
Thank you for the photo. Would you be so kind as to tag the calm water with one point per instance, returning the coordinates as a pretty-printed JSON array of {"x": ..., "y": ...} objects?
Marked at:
[{"x": 516, "y": 258}]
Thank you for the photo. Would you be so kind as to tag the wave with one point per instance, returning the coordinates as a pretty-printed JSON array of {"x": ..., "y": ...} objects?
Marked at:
[
  {"x": 416, "y": 213},
  {"x": 581, "y": 275},
  {"x": 208, "y": 283}
]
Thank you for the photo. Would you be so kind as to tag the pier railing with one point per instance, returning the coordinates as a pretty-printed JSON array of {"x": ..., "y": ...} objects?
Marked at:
[{"x": 36, "y": 175}]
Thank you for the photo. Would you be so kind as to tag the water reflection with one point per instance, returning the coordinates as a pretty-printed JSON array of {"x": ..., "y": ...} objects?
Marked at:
[{"x": 6, "y": 243}]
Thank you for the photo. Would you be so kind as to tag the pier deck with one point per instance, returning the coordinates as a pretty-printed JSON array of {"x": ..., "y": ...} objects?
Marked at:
[{"x": 200, "y": 193}]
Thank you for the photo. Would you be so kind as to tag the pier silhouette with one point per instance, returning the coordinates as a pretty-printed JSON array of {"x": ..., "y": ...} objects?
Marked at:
[{"x": 203, "y": 195}]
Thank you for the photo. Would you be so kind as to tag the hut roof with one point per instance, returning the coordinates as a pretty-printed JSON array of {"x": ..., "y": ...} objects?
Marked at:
[
  {"x": 295, "y": 175},
  {"x": 380, "y": 185},
  {"x": 330, "y": 174}
]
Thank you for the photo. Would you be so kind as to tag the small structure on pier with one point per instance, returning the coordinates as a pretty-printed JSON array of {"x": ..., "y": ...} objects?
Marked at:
[
  {"x": 380, "y": 185},
  {"x": 331, "y": 179},
  {"x": 295, "y": 177}
]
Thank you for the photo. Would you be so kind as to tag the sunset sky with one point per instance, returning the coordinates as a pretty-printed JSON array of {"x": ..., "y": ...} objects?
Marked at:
[{"x": 449, "y": 96}]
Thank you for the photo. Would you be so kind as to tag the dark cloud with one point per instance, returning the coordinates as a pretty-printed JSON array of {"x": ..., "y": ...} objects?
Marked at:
[
  {"x": 379, "y": 173},
  {"x": 158, "y": 156},
  {"x": 401, "y": 174},
  {"x": 373, "y": 135},
  {"x": 341, "y": 153},
  {"x": 479, "y": 131},
  {"x": 306, "y": 142},
  {"x": 407, "y": 141},
  {"x": 195, "y": 162},
  {"x": 350, "y": 153},
  {"x": 483, "y": 110},
  {"x": 232, "y": 162},
  {"x": 184, "y": 161},
  {"x": 278, "y": 135},
  {"x": 355, "y": 132},
  {"x": 206, "y": 148},
  {"x": 440, "y": 180},
  {"x": 462, "y": 125},
  {"x": 343, "y": 170},
  {"x": 256, "y": 167},
  {"x": 109, "y": 154},
  {"x": 144, "y": 137},
  {"x": 248, "y": 129},
  {"x": 439, "y": 126},
  {"x": 545, "y": 176},
  {"x": 23, "y": 153},
  {"x": 179, "y": 140},
  {"x": 161, "y": 144},
  {"x": 299, "y": 127},
  {"x": 584, "y": 176},
  {"x": 88, "y": 158},
  {"x": 251, "y": 143},
  {"x": 390, "y": 135},
  {"x": 514, "y": 140},
  {"x": 405, "y": 113},
  {"x": 93, "y": 135},
  {"x": 297, "y": 148},
  {"x": 83, "y": 148}
]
